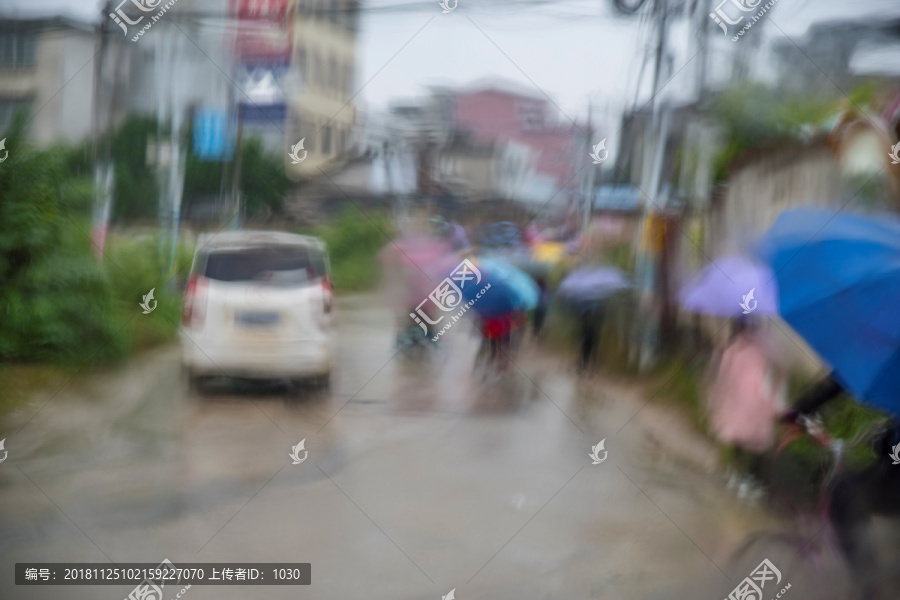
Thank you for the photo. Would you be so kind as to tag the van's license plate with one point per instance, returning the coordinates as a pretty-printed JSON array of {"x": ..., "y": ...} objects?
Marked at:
[{"x": 257, "y": 319}]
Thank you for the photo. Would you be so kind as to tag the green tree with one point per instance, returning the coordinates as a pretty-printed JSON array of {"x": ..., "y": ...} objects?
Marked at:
[
  {"x": 136, "y": 189},
  {"x": 263, "y": 183},
  {"x": 55, "y": 298}
]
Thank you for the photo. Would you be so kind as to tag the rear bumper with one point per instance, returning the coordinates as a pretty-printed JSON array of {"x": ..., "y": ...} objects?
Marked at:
[{"x": 298, "y": 358}]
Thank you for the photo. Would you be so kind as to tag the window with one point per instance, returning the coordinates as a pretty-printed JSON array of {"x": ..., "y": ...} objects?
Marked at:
[
  {"x": 530, "y": 114},
  {"x": 351, "y": 14},
  {"x": 300, "y": 64},
  {"x": 333, "y": 75},
  {"x": 8, "y": 109},
  {"x": 276, "y": 265},
  {"x": 348, "y": 80},
  {"x": 334, "y": 11},
  {"x": 316, "y": 75},
  {"x": 307, "y": 133},
  {"x": 326, "y": 140},
  {"x": 17, "y": 46},
  {"x": 302, "y": 130}
]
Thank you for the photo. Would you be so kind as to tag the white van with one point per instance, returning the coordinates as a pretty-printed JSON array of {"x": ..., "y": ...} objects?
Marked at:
[{"x": 258, "y": 304}]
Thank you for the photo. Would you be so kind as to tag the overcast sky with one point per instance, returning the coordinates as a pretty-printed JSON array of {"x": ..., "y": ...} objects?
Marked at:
[{"x": 575, "y": 51}]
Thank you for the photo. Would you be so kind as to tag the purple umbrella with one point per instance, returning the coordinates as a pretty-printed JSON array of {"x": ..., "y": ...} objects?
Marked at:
[
  {"x": 589, "y": 284},
  {"x": 731, "y": 286}
]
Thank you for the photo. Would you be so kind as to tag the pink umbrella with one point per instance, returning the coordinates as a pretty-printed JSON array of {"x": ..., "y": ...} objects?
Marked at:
[{"x": 419, "y": 259}]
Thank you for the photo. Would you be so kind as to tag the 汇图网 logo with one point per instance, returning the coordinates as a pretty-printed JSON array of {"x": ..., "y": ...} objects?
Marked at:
[
  {"x": 147, "y": 299},
  {"x": 149, "y": 589},
  {"x": 595, "y": 452},
  {"x": 296, "y": 159},
  {"x": 123, "y": 20},
  {"x": 746, "y": 302},
  {"x": 752, "y": 586},
  {"x": 295, "y": 452},
  {"x": 595, "y": 154},
  {"x": 721, "y": 18},
  {"x": 894, "y": 153},
  {"x": 448, "y": 296},
  {"x": 143, "y": 5}
]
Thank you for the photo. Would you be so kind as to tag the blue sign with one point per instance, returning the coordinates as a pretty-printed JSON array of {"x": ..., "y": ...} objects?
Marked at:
[
  {"x": 273, "y": 114},
  {"x": 213, "y": 135},
  {"x": 263, "y": 99}
]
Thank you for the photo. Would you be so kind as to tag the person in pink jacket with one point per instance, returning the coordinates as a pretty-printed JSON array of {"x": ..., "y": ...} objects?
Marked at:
[{"x": 746, "y": 397}]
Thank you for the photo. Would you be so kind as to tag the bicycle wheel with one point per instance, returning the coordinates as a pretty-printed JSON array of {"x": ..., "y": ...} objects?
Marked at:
[{"x": 805, "y": 562}]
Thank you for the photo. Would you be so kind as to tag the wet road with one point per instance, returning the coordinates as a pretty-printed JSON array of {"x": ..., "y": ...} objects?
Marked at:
[{"x": 419, "y": 479}]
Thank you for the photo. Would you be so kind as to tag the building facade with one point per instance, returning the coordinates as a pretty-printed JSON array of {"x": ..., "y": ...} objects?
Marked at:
[
  {"x": 46, "y": 71},
  {"x": 321, "y": 112}
]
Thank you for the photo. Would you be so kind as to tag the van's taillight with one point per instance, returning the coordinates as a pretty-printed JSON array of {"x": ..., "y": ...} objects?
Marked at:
[
  {"x": 194, "y": 309},
  {"x": 327, "y": 296}
]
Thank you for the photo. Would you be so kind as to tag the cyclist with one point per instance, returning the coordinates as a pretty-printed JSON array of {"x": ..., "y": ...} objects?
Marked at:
[
  {"x": 496, "y": 337},
  {"x": 856, "y": 497}
]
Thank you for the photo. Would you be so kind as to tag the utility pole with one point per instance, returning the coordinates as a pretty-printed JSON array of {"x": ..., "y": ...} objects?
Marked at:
[
  {"x": 102, "y": 120},
  {"x": 171, "y": 155},
  {"x": 651, "y": 301},
  {"x": 236, "y": 172},
  {"x": 591, "y": 174},
  {"x": 702, "y": 23}
]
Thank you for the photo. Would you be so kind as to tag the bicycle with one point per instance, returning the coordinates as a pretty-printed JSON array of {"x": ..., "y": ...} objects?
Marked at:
[
  {"x": 413, "y": 343},
  {"x": 499, "y": 339},
  {"x": 806, "y": 547}
]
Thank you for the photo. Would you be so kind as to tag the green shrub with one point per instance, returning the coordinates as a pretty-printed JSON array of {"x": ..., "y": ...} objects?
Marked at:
[
  {"x": 684, "y": 384},
  {"x": 136, "y": 267},
  {"x": 135, "y": 187},
  {"x": 55, "y": 297},
  {"x": 59, "y": 304},
  {"x": 263, "y": 183},
  {"x": 354, "y": 241}
]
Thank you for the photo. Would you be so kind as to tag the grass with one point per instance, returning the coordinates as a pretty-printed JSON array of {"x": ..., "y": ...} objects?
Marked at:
[
  {"x": 20, "y": 382},
  {"x": 135, "y": 268},
  {"x": 354, "y": 241},
  {"x": 130, "y": 269},
  {"x": 684, "y": 386}
]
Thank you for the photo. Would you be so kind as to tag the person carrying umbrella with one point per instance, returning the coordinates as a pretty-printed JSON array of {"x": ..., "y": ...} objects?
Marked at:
[
  {"x": 745, "y": 399},
  {"x": 500, "y": 309},
  {"x": 839, "y": 285},
  {"x": 540, "y": 311},
  {"x": 587, "y": 289},
  {"x": 590, "y": 320},
  {"x": 746, "y": 389},
  {"x": 497, "y": 332},
  {"x": 857, "y": 497}
]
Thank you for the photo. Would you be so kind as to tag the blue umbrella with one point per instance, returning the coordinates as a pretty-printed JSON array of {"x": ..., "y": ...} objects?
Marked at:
[
  {"x": 839, "y": 287},
  {"x": 511, "y": 289}
]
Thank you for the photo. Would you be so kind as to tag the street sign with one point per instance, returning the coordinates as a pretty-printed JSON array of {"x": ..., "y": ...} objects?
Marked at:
[{"x": 213, "y": 135}]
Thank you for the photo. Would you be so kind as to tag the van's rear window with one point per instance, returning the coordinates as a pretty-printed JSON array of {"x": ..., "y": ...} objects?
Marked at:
[{"x": 272, "y": 265}]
